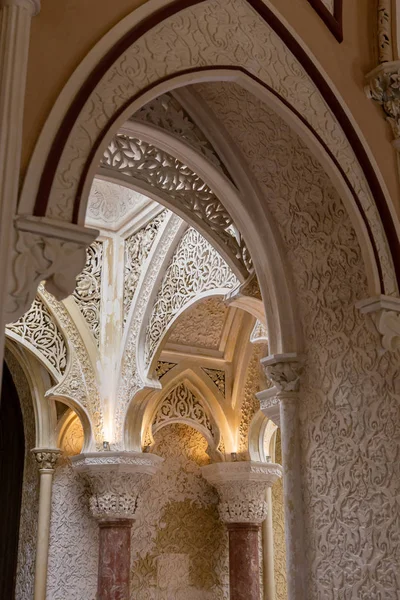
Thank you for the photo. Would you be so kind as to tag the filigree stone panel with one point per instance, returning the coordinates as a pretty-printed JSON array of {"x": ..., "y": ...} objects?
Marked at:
[
  {"x": 38, "y": 327},
  {"x": 135, "y": 158},
  {"x": 137, "y": 249},
  {"x": 195, "y": 267},
  {"x": 202, "y": 325},
  {"x": 163, "y": 368},
  {"x": 87, "y": 293},
  {"x": 217, "y": 376},
  {"x": 182, "y": 404},
  {"x": 250, "y": 405}
]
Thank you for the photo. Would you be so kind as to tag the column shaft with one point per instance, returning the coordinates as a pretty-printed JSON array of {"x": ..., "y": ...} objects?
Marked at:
[
  {"x": 42, "y": 546},
  {"x": 244, "y": 564},
  {"x": 293, "y": 501},
  {"x": 114, "y": 560},
  {"x": 268, "y": 551}
]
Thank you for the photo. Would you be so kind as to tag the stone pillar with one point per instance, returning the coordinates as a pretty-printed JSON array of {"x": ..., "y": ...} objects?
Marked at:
[
  {"x": 15, "y": 22},
  {"x": 46, "y": 459},
  {"x": 116, "y": 480},
  {"x": 284, "y": 371},
  {"x": 243, "y": 507}
]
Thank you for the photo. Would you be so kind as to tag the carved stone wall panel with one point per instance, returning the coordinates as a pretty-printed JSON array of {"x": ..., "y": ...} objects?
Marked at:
[
  {"x": 250, "y": 405},
  {"x": 217, "y": 376},
  {"x": 30, "y": 490},
  {"x": 73, "y": 553},
  {"x": 71, "y": 442},
  {"x": 278, "y": 524},
  {"x": 137, "y": 249},
  {"x": 182, "y": 403},
  {"x": 195, "y": 267},
  {"x": 167, "y": 113},
  {"x": 350, "y": 408},
  {"x": 202, "y": 325},
  {"x": 262, "y": 52},
  {"x": 87, "y": 293},
  {"x": 110, "y": 204},
  {"x": 163, "y": 368},
  {"x": 178, "y": 523},
  {"x": 38, "y": 327}
]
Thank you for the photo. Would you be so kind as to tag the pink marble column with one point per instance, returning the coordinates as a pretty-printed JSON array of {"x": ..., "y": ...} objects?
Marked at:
[
  {"x": 114, "y": 559},
  {"x": 244, "y": 563},
  {"x": 243, "y": 507}
]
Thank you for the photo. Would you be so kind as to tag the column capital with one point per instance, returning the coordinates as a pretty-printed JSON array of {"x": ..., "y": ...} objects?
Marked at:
[
  {"x": 33, "y": 6},
  {"x": 46, "y": 458},
  {"x": 383, "y": 86},
  {"x": 242, "y": 489},
  {"x": 116, "y": 480},
  {"x": 385, "y": 311},
  {"x": 284, "y": 370}
]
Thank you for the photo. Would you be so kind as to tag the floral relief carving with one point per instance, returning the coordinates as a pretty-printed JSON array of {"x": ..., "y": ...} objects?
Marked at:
[
  {"x": 195, "y": 267},
  {"x": 38, "y": 328},
  {"x": 137, "y": 249},
  {"x": 202, "y": 325},
  {"x": 163, "y": 368},
  {"x": 166, "y": 112},
  {"x": 71, "y": 442},
  {"x": 46, "y": 459},
  {"x": 278, "y": 525},
  {"x": 181, "y": 403},
  {"x": 250, "y": 405},
  {"x": 87, "y": 293},
  {"x": 110, "y": 204},
  {"x": 350, "y": 404},
  {"x": 262, "y": 53},
  {"x": 135, "y": 158},
  {"x": 178, "y": 517},
  {"x": 217, "y": 376}
]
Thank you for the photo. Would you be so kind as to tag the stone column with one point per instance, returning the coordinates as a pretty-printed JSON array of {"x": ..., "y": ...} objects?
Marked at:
[
  {"x": 284, "y": 371},
  {"x": 15, "y": 22},
  {"x": 243, "y": 507},
  {"x": 46, "y": 459},
  {"x": 116, "y": 480}
]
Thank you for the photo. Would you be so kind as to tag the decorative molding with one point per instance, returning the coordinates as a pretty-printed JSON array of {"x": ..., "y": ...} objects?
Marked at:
[
  {"x": 87, "y": 293},
  {"x": 32, "y": 6},
  {"x": 270, "y": 405},
  {"x": 385, "y": 311},
  {"x": 242, "y": 489},
  {"x": 385, "y": 32},
  {"x": 38, "y": 328},
  {"x": 46, "y": 458},
  {"x": 331, "y": 12},
  {"x": 182, "y": 405},
  {"x": 134, "y": 158},
  {"x": 284, "y": 370},
  {"x": 217, "y": 376},
  {"x": 137, "y": 249},
  {"x": 195, "y": 268},
  {"x": 163, "y": 368},
  {"x": 44, "y": 250}
]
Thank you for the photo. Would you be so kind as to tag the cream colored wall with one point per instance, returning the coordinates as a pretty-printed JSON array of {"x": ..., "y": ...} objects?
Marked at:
[{"x": 65, "y": 31}]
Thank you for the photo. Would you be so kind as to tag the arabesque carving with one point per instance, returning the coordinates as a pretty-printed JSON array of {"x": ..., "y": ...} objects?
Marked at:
[
  {"x": 217, "y": 376},
  {"x": 38, "y": 328},
  {"x": 196, "y": 267},
  {"x": 135, "y": 158},
  {"x": 163, "y": 368},
  {"x": 87, "y": 293}
]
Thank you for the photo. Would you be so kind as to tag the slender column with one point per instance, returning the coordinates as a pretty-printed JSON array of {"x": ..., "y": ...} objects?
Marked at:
[
  {"x": 15, "y": 22},
  {"x": 116, "y": 480},
  {"x": 243, "y": 507},
  {"x": 268, "y": 554},
  {"x": 46, "y": 460},
  {"x": 284, "y": 371}
]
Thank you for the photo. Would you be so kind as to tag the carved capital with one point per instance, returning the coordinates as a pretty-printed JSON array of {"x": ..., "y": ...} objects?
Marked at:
[
  {"x": 383, "y": 86},
  {"x": 116, "y": 480},
  {"x": 46, "y": 458},
  {"x": 44, "y": 250},
  {"x": 242, "y": 489},
  {"x": 284, "y": 370},
  {"x": 385, "y": 311}
]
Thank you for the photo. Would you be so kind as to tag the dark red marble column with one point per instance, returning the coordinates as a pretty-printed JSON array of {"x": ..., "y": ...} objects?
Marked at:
[
  {"x": 114, "y": 559},
  {"x": 244, "y": 562}
]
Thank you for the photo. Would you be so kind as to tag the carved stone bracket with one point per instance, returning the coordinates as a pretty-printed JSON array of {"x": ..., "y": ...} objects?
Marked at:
[
  {"x": 44, "y": 250},
  {"x": 46, "y": 458},
  {"x": 242, "y": 489},
  {"x": 116, "y": 480},
  {"x": 385, "y": 311},
  {"x": 284, "y": 370},
  {"x": 383, "y": 86}
]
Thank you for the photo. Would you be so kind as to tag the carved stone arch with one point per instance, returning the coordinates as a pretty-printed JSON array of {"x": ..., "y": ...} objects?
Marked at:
[
  {"x": 39, "y": 381},
  {"x": 89, "y": 444},
  {"x": 262, "y": 438}
]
